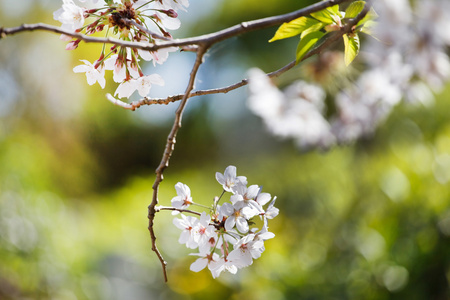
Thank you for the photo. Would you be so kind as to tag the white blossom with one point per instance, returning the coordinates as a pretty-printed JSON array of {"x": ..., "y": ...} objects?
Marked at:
[
  {"x": 226, "y": 238},
  {"x": 187, "y": 224},
  {"x": 205, "y": 259},
  {"x": 183, "y": 198},
  {"x": 70, "y": 15},
  {"x": 229, "y": 180},
  {"x": 93, "y": 74},
  {"x": 223, "y": 265},
  {"x": 245, "y": 250},
  {"x": 236, "y": 216},
  {"x": 296, "y": 114},
  {"x": 144, "y": 83}
]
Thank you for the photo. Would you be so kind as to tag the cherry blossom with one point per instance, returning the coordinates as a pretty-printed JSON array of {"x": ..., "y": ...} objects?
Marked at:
[
  {"x": 179, "y": 4},
  {"x": 148, "y": 17},
  {"x": 184, "y": 199},
  {"x": 144, "y": 83},
  {"x": 93, "y": 74},
  {"x": 297, "y": 113},
  {"x": 223, "y": 265},
  {"x": 226, "y": 237},
  {"x": 245, "y": 250},
  {"x": 271, "y": 211},
  {"x": 70, "y": 15},
  {"x": 229, "y": 180},
  {"x": 206, "y": 259},
  {"x": 187, "y": 224},
  {"x": 141, "y": 84},
  {"x": 236, "y": 216}
]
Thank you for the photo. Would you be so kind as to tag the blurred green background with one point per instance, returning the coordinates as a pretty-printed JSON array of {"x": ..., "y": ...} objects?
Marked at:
[{"x": 365, "y": 221}]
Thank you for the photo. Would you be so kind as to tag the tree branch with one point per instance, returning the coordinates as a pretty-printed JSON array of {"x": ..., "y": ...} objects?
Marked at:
[
  {"x": 206, "y": 39},
  {"x": 335, "y": 36},
  {"x": 170, "y": 146}
]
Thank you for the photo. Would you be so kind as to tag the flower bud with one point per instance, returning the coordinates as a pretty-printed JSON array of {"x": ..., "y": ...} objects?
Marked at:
[
  {"x": 170, "y": 12},
  {"x": 73, "y": 45}
]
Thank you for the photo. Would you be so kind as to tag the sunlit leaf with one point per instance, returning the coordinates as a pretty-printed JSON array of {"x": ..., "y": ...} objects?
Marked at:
[
  {"x": 370, "y": 16},
  {"x": 368, "y": 28},
  {"x": 296, "y": 27},
  {"x": 306, "y": 43},
  {"x": 351, "y": 44},
  {"x": 315, "y": 27},
  {"x": 354, "y": 9},
  {"x": 334, "y": 10},
  {"x": 327, "y": 15}
]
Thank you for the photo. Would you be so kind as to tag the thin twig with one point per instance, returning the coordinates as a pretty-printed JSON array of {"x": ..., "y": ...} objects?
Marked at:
[
  {"x": 170, "y": 146},
  {"x": 159, "y": 208}
]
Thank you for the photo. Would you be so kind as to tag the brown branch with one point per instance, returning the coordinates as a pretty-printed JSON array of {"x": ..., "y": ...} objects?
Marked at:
[
  {"x": 210, "y": 38},
  {"x": 330, "y": 40},
  {"x": 170, "y": 146}
]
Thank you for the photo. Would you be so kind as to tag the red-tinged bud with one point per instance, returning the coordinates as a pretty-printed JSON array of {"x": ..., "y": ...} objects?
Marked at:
[
  {"x": 171, "y": 13},
  {"x": 156, "y": 18},
  {"x": 91, "y": 11},
  {"x": 99, "y": 61},
  {"x": 166, "y": 34},
  {"x": 73, "y": 45},
  {"x": 100, "y": 27}
]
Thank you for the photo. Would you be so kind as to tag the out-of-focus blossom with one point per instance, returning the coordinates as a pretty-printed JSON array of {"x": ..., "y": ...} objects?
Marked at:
[
  {"x": 296, "y": 113},
  {"x": 408, "y": 60}
]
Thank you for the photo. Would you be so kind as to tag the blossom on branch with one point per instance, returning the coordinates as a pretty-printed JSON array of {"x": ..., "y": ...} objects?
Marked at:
[
  {"x": 132, "y": 20},
  {"x": 93, "y": 74},
  {"x": 229, "y": 180},
  {"x": 227, "y": 237},
  {"x": 184, "y": 199},
  {"x": 70, "y": 15}
]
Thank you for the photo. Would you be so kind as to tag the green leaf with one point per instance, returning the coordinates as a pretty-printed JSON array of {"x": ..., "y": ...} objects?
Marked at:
[
  {"x": 351, "y": 44},
  {"x": 315, "y": 27},
  {"x": 370, "y": 16},
  {"x": 295, "y": 27},
  {"x": 306, "y": 43},
  {"x": 327, "y": 15},
  {"x": 368, "y": 27},
  {"x": 354, "y": 9},
  {"x": 334, "y": 10}
]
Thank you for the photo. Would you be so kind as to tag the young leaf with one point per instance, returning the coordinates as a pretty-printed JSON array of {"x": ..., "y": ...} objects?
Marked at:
[
  {"x": 306, "y": 43},
  {"x": 315, "y": 27},
  {"x": 371, "y": 15},
  {"x": 334, "y": 10},
  {"x": 354, "y": 9},
  {"x": 295, "y": 27},
  {"x": 351, "y": 44},
  {"x": 327, "y": 15}
]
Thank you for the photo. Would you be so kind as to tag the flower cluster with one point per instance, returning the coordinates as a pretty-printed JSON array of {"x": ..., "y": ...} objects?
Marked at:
[
  {"x": 227, "y": 237},
  {"x": 130, "y": 20}
]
